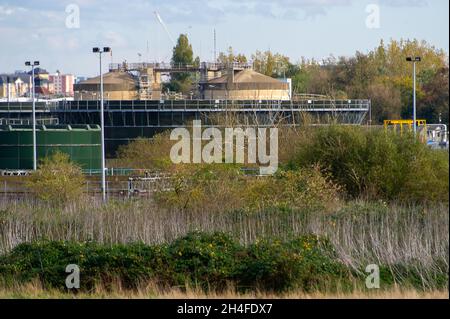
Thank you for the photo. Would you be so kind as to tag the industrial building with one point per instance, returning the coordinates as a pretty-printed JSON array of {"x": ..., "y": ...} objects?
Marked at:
[
  {"x": 116, "y": 86},
  {"x": 135, "y": 107},
  {"x": 126, "y": 120},
  {"x": 223, "y": 81},
  {"x": 81, "y": 142},
  {"x": 246, "y": 85}
]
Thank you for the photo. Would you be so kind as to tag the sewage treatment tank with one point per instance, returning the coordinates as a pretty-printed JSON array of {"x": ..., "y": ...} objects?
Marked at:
[{"x": 81, "y": 142}]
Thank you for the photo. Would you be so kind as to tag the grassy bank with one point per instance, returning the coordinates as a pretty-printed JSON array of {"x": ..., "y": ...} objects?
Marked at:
[{"x": 36, "y": 291}]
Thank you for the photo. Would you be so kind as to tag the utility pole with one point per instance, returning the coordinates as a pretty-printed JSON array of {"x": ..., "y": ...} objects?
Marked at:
[
  {"x": 35, "y": 63},
  {"x": 414, "y": 60},
  {"x": 215, "y": 46},
  {"x": 102, "y": 121}
]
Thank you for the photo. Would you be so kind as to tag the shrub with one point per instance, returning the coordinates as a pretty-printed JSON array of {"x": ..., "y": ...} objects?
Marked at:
[
  {"x": 57, "y": 180},
  {"x": 98, "y": 264},
  {"x": 303, "y": 188},
  {"x": 195, "y": 186},
  {"x": 208, "y": 260},
  {"x": 305, "y": 263},
  {"x": 145, "y": 153},
  {"x": 375, "y": 163}
]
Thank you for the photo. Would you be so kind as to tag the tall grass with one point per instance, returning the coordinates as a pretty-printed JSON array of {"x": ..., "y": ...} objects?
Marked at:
[
  {"x": 362, "y": 233},
  {"x": 152, "y": 291}
]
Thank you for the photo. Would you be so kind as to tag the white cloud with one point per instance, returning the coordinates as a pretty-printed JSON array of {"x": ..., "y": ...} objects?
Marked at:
[{"x": 6, "y": 10}]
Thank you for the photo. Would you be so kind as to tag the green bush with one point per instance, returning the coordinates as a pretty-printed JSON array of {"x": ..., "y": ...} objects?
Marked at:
[
  {"x": 375, "y": 163},
  {"x": 194, "y": 186},
  {"x": 304, "y": 263},
  {"x": 206, "y": 261},
  {"x": 98, "y": 264},
  {"x": 57, "y": 181}
]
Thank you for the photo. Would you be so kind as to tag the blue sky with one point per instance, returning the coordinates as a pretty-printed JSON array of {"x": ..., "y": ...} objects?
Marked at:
[{"x": 296, "y": 28}]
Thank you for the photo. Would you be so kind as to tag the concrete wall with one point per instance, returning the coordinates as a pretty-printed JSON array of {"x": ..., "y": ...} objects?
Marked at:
[
  {"x": 107, "y": 95},
  {"x": 247, "y": 95}
]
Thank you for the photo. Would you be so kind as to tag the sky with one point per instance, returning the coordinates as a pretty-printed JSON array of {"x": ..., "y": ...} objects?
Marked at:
[{"x": 61, "y": 33}]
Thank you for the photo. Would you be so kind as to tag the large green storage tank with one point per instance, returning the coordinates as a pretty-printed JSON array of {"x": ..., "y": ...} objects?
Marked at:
[{"x": 81, "y": 142}]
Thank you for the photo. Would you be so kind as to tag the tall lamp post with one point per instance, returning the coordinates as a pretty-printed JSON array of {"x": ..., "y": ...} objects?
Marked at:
[
  {"x": 414, "y": 60},
  {"x": 35, "y": 63},
  {"x": 102, "y": 120}
]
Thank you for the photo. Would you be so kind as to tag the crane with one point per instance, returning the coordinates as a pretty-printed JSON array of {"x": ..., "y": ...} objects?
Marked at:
[{"x": 158, "y": 17}]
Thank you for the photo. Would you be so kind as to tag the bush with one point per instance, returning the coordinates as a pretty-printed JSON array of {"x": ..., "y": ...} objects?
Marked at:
[
  {"x": 207, "y": 261},
  {"x": 375, "y": 163},
  {"x": 304, "y": 188},
  {"x": 98, "y": 264},
  {"x": 57, "y": 180},
  {"x": 194, "y": 186},
  {"x": 204, "y": 260},
  {"x": 145, "y": 153},
  {"x": 307, "y": 263}
]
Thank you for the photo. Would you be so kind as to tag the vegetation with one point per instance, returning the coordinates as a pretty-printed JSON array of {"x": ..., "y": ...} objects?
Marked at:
[
  {"x": 182, "y": 55},
  {"x": 381, "y": 75},
  {"x": 57, "y": 180},
  {"x": 344, "y": 197},
  {"x": 410, "y": 243},
  {"x": 195, "y": 186},
  {"x": 207, "y": 261},
  {"x": 374, "y": 164},
  {"x": 35, "y": 290},
  {"x": 231, "y": 57},
  {"x": 317, "y": 166},
  {"x": 147, "y": 153}
]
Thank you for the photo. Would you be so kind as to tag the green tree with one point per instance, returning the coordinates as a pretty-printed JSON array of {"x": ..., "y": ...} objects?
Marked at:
[
  {"x": 382, "y": 75},
  {"x": 434, "y": 104},
  {"x": 275, "y": 65},
  {"x": 182, "y": 55},
  {"x": 230, "y": 57}
]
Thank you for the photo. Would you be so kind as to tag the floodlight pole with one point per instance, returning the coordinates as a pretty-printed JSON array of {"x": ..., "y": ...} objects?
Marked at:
[
  {"x": 102, "y": 122},
  {"x": 414, "y": 60},
  {"x": 414, "y": 99},
  {"x": 34, "y": 120},
  {"x": 35, "y": 63}
]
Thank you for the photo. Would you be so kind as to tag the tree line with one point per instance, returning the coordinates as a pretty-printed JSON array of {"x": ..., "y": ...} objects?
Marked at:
[{"x": 382, "y": 75}]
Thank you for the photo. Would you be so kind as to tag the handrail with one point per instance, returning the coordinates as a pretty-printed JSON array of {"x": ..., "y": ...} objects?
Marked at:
[{"x": 188, "y": 105}]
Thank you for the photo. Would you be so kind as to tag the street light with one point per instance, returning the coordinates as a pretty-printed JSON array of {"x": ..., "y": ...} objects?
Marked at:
[
  {"x": 35, "y": 63},
  {"x": 414, "y": 60},
  {"x": 102, "y": 120}
]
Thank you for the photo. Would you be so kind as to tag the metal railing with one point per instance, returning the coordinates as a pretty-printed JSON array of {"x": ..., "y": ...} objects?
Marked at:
[
  {"x": 199, "y": 105},
  {"x": 39, "y": 121},
  {"x": 168, "y": 67}
]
